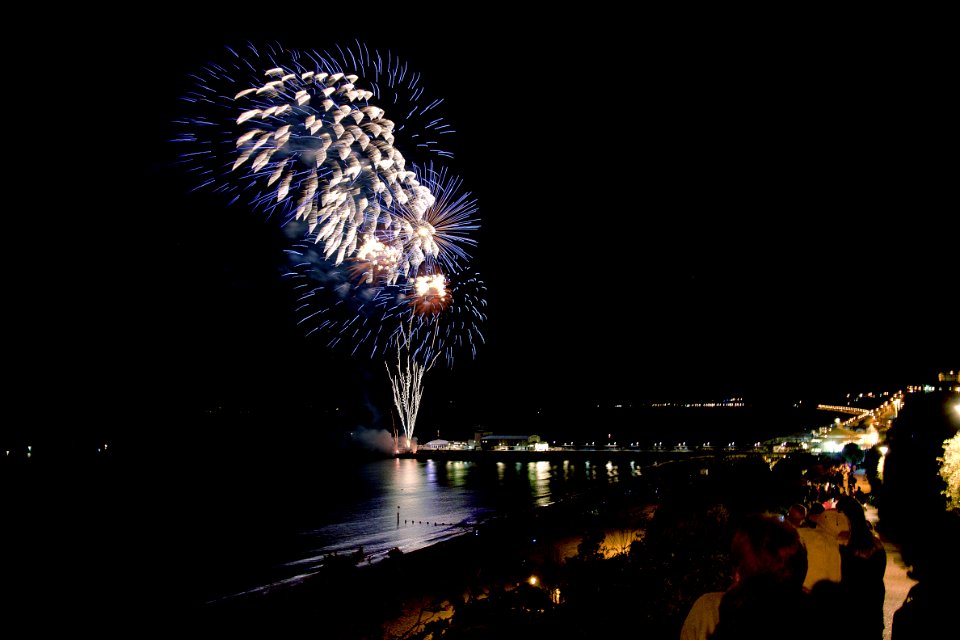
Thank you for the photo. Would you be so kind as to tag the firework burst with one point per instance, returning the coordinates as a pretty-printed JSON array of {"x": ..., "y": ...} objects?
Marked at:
[
  {"x": 431, "y": 242},
  {"x": 381, "y": 247},
  {"x": 347, "y": 311},
  {"x": 429, "y": 294},
  {"x": 306, "y": 140},
  {"x": 421, "y": 128},
  {"x": 406, "y": 380},
  {"x": 453, "y": 326}
]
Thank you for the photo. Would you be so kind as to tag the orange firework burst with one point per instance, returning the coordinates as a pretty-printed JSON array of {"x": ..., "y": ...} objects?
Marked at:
[
  {"x": 376, "y": 263},
  {"x": 430, "y": 295}
]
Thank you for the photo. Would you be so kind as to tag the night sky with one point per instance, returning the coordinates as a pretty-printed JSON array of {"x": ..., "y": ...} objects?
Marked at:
[{"x": 671, "y": 207}]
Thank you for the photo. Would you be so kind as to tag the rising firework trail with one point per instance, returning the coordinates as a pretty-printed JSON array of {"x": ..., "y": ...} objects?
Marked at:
[
  {"x": 406, "y": 381},
  {"x": 443, "y": 319},
  {"x": 418, "y": 322}
]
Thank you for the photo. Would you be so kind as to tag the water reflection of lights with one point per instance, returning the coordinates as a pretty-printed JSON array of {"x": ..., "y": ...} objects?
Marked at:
[
  {"x": 613, "y": 471},
  {"x": 590, "y": 470},
  {"x": 457, "y": 471},
  {"x": 408, "y": 475},
  {"x": 538, "y": 473}
]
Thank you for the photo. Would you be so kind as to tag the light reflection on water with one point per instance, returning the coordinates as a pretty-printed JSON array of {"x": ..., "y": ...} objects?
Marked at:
[
  {"x": 457, "y": 472},
  {"x": 409, "y": 504},
  {"x": 539, "y": 474},
  {"x": 449, "y": 497}
]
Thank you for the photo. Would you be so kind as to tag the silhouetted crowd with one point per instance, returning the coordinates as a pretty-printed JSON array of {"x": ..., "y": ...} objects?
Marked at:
[
  {"x": 823, "y": 564},
  {"x": 788, "y": 572}
]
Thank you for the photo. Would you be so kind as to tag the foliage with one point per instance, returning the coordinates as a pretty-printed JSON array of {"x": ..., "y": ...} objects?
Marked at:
[
  {"x": 789, "y": 480},
  {"x": 852, "y": 453},
  {"x": 950, "y": 470},
  {"x": 521, "y": 610},
  {"x": 680, "y": 559},
  {"x": 619, "y": 541},
  {"x": 590, "y": 548},
  {"x": 870, "y": 465},
  {"x": 913, "y": 487}
]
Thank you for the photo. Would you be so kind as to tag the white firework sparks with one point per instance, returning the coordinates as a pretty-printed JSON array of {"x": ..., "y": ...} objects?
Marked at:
[
  {"x": 314, "y": 138},
  {"x": 304, "y": 136},
  {"x": 407, "y": 382}
]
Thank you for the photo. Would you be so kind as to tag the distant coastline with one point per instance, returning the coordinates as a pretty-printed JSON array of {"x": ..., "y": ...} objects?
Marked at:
[{"x": 576, "y": 454}]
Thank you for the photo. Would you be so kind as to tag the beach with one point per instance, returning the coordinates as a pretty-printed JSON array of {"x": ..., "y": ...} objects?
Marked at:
[{"x": 399, "y": 595}]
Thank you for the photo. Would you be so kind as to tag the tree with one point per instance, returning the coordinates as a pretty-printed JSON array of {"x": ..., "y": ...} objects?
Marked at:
[
  {"x": 870, "y": 465},
  {"x": 950, "y": 471},
  {"x": 852, "y": 453}
]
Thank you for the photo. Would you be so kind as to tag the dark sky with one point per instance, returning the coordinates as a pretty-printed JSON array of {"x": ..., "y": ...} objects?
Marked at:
[{"x": 687, "y": 205}]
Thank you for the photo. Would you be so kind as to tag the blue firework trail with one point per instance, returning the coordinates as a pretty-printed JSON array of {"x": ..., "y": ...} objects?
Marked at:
[
  {"x": 450, "y": 220},
  {"x": 369, "y": 319},
  {"x": 399, "y": 90}
]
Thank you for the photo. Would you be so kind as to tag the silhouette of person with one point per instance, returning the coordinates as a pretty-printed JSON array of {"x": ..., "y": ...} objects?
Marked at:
[
  {"x": 930, "y": 604},
  {"x": 769, "y": 564},
  {"x": 863, "y": 563}
]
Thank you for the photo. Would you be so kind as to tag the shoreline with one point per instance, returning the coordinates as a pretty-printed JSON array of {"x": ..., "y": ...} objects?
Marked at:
[
  {"x": 376, "y": 600},
  {"x": 564, "y": 513},
  {"x": 353, "y": 601}
]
